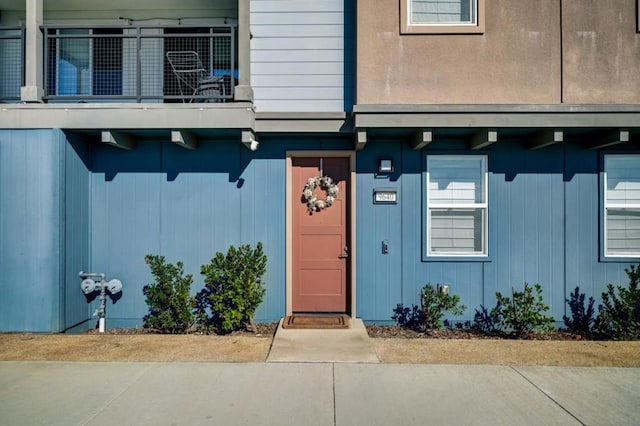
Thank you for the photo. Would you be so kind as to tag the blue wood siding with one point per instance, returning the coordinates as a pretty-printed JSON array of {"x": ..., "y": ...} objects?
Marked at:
[
  {"x": 69, "y": 204},
  {"x": 30, "y": 231},
  {"x": 185, "y": 205},
  {"x": 527, "y": 207},
  {"x": 543, "y": 228},
  {"x": 380, "y": 276},
  {"x": 76, "y": 220},
  {"x": 582, "y": 232},
  {"x": 298, "y": 55}
]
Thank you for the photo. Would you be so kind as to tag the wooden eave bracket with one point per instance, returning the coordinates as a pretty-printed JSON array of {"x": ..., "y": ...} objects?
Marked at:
[
  {"x": 118, "y": 139},
  {"x": 361, "y": 139},
  {"x": 610, "y": 138},
  {"x": 184, "y": 138},
  {"x": 250, "y": 140},
  {"x": 421, "y": 138},
  {"x": 546, "y": 138},
  {"x": 483, "y": 138}
]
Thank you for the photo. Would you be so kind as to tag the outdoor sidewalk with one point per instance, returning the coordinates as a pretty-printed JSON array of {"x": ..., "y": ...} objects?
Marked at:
[{"x": 82, "y": 393}]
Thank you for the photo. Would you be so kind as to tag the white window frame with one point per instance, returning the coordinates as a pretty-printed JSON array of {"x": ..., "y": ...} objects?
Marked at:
[
  {"x": 476, "y": 26},
  {"x": 483, "y": 206},
  {"x": 614, "y": 206}
]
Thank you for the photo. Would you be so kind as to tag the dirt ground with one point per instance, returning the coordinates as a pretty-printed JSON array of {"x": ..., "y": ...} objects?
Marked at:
[{"x": 248, "y": 347}]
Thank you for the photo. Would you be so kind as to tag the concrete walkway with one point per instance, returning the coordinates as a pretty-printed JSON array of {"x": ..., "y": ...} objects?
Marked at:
[
  {"x": 342, "y": 345},
  {"x": 349, "y": 394}
]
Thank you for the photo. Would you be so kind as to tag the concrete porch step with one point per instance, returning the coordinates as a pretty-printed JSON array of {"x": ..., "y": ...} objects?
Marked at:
[{"x": 342, "y": 345}]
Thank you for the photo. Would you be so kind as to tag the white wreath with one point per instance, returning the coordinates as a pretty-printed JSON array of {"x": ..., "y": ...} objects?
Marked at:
[{"x": 325, "y": 183}]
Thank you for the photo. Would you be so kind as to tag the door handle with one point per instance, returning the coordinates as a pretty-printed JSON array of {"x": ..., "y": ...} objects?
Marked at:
[{"x": 344, "y": 255}]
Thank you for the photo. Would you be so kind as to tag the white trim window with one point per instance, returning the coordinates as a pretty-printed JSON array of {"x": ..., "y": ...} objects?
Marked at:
[
  {"x": 622, "y": 205},
  {"x": 442, "y": 16},
  {"x": 443, "y": 12},
  {"x": 457, "y": 205}
]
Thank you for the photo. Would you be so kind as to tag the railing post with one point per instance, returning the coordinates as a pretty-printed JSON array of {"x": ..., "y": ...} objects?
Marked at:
[
  {"x": 138, "y": 65},
  {"x": 23, "y": 38},
  {"x": 32, "y": 91},
  {"x": 244, "y": 92}
]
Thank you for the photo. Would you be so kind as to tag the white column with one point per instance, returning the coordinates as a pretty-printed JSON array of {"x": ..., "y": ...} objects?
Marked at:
[
  {"x": 244, "y": 92},
  {"x": 33, "y": 90}
]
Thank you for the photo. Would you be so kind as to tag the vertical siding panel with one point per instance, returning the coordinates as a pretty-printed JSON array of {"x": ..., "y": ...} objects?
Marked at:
[
  {"x": 186, "y": 206},
  {"x": 77, "y": 228},
  {"x": 197, "y": 194},
  {"x": 126, "y": 213},
  {"x": 379, "y": 275},
  {"x": 528, "y": 246},
  {"x": 583, "y": 209},
  {"x": 30, "y": 230},
  {"x": 411, "y": 200},
  {"x": 262, "y": 218}
]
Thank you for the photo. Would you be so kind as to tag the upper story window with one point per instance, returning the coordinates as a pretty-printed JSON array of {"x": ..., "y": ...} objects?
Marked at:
[
  {"x": 456, "y": 205},
  {"x": 622, "y": 205},
  {"x": 442, "y": 16}
]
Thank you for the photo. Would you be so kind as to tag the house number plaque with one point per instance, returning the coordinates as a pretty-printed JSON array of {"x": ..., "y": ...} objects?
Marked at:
[{"x": 385, "y": 196}]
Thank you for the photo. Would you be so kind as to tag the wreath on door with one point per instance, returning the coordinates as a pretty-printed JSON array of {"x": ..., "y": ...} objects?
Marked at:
[{"x": 326, "y": 184}]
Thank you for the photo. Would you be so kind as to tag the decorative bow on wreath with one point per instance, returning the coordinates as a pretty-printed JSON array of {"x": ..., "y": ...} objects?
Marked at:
[{"x": 326, "y": 184}]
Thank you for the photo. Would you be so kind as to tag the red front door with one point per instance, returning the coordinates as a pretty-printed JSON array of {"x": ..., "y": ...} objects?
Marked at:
[{"x": 320, "y": 244}]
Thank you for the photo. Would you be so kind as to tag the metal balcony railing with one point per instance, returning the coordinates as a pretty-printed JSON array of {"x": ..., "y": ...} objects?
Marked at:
[
  {"x": 11, "y": 63},
  {"x": 119, "y": 64}
]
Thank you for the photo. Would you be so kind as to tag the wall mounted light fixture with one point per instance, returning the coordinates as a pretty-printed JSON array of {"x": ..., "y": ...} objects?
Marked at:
[{"x": 385, "y": 165}]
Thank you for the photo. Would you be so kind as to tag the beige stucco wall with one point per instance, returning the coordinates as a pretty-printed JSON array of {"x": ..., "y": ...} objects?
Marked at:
[
  {"x": 516, "y": 61},
  {"x": 601, "y": 53},
  {"x": 526, "y": 56}
]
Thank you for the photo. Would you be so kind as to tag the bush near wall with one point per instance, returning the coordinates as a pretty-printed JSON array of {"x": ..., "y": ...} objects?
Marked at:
[
  {"x": 233, "y": 288},
  {"x": 619, "y": 314},
  {"x": 433, "y": 306},
  {"x": 233, "y": 291},
  {"x": 169, "y": 297}
]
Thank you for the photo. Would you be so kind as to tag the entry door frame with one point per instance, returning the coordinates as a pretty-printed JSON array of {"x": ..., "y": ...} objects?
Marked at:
[{"x": 351, "y": 155}]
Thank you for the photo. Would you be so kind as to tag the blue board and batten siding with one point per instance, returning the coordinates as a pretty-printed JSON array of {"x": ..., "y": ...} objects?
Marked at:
[
  {"x": 184, "y": 205},
  {"x": 543, "y": 228},
  {"x": 44, "y": 230},
  {"x": 30, "y": 232},
  {"x": 76, "y": 223},
  {"x": 301, "y": 58},
  {"x": 69, "y": 204}
]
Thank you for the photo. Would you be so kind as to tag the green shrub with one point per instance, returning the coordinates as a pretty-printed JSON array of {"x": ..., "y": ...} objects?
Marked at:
[
  {"x": 428, "y": 316},
  {"x": 169, "y": 297},
  {"x": 233, "y": 288},
  {"x": 582, "y": 320},
  {"x": 523, "y": 312},
  {"x": 435, "y": 303},
  {"x": 619, "y": 315}
]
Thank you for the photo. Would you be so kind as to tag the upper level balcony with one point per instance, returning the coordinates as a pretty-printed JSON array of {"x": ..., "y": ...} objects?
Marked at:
[
  {"x": 84, "y": 65},
  {"x": 163, "y": 64},
  {"x": 125, "y": 77}
]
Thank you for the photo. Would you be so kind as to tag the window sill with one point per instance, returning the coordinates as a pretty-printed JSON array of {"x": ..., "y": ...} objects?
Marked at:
[
  {"x": 442, "y": 29},
  {"x": 459, "y": 259},
  {"x": 619, "y": 259}
]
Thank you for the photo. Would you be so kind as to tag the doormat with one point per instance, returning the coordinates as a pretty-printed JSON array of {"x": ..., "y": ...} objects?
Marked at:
[{"x": 316, "y": 321}]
